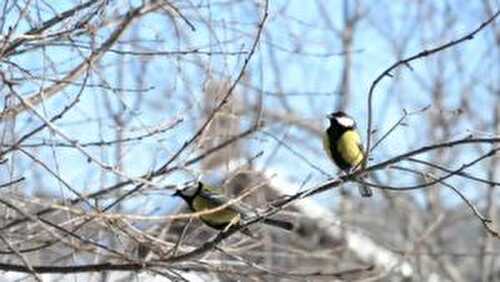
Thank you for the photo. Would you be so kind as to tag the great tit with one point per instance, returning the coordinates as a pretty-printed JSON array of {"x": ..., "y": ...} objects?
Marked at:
[
  {"x": 343, "y": 145},
  {"x": 200, "y": 197}
]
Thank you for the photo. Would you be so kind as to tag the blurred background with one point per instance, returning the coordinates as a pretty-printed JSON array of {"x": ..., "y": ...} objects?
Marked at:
[{"x": 107, "y": 105}]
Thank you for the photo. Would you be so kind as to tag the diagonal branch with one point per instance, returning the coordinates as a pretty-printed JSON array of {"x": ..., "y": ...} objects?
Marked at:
[
  {"x": 406, "y": 62},
  {"x": 57, "y": 87}
]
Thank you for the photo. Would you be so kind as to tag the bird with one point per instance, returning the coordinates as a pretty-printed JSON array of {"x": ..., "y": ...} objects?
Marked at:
[
  {"x": 342, "y": 144},
  {"x": 200, "y": 197}
]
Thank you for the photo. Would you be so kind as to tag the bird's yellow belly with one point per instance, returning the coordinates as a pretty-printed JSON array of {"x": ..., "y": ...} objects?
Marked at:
[{"x": 349, "y": 149}]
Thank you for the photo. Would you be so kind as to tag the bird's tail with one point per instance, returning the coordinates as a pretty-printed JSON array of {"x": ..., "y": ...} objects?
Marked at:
[
  {"x": 365, "y": 191},
  {"x": 279, "y": 223}
]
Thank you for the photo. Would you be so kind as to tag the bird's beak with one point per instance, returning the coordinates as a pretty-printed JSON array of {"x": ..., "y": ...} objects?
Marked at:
[{"x": 177, "y": 193}]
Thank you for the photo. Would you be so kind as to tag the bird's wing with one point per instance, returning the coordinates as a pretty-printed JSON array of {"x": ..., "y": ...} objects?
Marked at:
[
  {"x": 213, "y": 196},
  {"x": 219, "y": 199}
]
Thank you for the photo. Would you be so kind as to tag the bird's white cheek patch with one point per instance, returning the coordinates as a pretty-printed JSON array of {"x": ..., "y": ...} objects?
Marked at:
[{"x": 345, "y": 121}]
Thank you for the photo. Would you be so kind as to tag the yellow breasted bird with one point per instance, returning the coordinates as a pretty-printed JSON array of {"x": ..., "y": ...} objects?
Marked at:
[
  {"x": 200, "y": 197},
  {"x": 343, "y": 145}
]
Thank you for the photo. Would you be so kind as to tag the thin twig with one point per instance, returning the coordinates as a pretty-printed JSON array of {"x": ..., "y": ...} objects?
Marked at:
[
  {"x": 12, "y": 182},
  {"x": 407, "y": 61},
  {"x": 23, "y": 258}
]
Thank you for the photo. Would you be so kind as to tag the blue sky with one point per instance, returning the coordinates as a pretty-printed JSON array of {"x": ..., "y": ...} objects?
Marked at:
[{"x": 291, "y": 25}]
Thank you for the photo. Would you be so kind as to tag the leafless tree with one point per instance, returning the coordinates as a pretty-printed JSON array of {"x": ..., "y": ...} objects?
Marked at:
[{"x": 109, "y": 105}]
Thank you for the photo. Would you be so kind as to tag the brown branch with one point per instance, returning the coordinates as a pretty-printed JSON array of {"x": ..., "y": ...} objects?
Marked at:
[
  {"x": 53, "y": 119},
  {"x": 396, "y": 125},
  {"x": 161, "y": 171},
  {"x": 48, "y": 223},
  {"x": 50, "y": 91},
  {"x": 424, "y": 149},
  {"x": 23, "y": 258},
  {"x": 435, "y": 179},
  {"x": 165, "y": 167},
  {"x": 158, "y": 53},
  {"x": 149, "y": 176},
  {"x": 10, "y": 183},
  {"x": 9, "y": 49},
  {"x": 484, "y": 220},
  {"x": 228, "y": 94},
  {"x": 406, "y": 62},
  {"x": 143, "y": 266},
  {"x": 100, "y": 143},
  {"x": 460, "y": 173},
  {"x": 79, "y": 268},
  {"x": 353, "y": 176}
]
